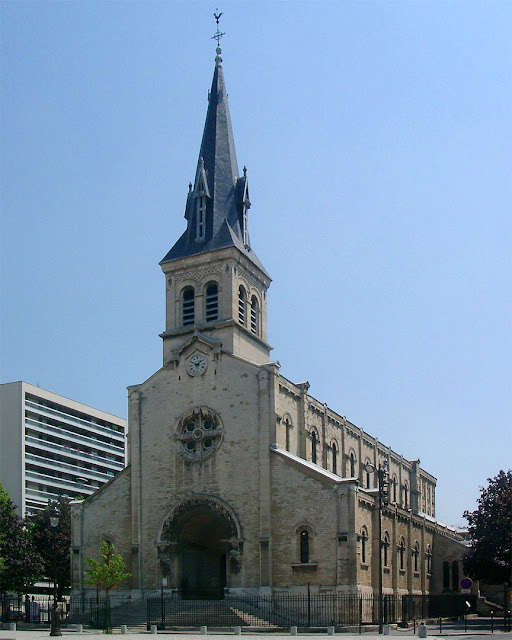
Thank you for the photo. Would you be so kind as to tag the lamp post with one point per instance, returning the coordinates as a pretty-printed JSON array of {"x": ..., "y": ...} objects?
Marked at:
[
  {"x": 163, "y": 586},
  {"x": 55, "y": 624},
  {"x": 383, "y": 477}
]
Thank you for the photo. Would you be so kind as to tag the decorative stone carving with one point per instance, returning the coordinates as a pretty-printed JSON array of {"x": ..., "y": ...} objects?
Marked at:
[
  {"x": 199, "y": 434},
  {"x": 199, "y": 275}
]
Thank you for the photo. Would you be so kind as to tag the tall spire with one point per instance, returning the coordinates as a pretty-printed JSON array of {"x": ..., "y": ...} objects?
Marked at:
[{"x": 217, "y": 205}]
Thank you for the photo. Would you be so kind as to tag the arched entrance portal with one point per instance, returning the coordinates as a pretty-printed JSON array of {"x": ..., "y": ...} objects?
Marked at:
[{"x": 201, "y": 539}]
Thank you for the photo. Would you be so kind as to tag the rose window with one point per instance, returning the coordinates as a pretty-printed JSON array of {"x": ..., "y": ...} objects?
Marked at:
[{"x": 199, "y": 434}]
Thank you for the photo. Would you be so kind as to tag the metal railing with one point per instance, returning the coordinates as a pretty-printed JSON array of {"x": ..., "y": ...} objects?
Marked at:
[
  {"x": 33, "y": 610},
  {"x": 448, "y": 605},
  {"x": 301, "y": 610}
]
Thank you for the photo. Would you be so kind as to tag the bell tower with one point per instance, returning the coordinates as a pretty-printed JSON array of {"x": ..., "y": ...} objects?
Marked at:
[{"x": 215, "y": 284}]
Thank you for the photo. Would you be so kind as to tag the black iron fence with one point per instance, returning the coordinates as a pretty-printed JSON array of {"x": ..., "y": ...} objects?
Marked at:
[
  {"x": 437, "y": 606},
  {"x": 33, "y": 610},
  {"x": 91, "y": 612},
  {"x": 245, "y": 610},
  {"x": 301, "y": 610}
]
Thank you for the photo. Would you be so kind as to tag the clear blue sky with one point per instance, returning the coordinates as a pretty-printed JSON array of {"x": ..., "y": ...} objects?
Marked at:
[{"x": 377, "y": 137}]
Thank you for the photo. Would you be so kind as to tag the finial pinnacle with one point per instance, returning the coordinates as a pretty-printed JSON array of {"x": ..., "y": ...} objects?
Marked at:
[{"x": 218, "y": 35}]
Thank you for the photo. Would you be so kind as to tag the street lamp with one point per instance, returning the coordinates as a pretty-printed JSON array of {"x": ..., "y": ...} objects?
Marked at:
[
  {"x": 383, "y": 477},
  {"x": 54, "y": 515}
]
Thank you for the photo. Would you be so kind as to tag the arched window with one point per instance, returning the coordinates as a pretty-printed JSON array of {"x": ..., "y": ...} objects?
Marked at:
[
  {"x": 406, "y": 496},
  {"x": 188, "y": 315},
  {"x": 428, "y": 559},
  {"x": 334, "y": 458},
  {"x": 242, "y": 299},
  {"x": 304, "y": 546},
  {"x": 368, "y": 476},
  {"x": 446, "y": 575},
  {"x": 352, "y": 460},
  {"x": 314, "y": 443},
  {"x": 255, "y": 315},
  {"x": 385, "y": 547},
  {"x": 212, "y": 302},
  {"x": 415, "y": 555},
  {"x": 364, "y": 544},
  {"x": 401, "y": 553},
  {"x": 394, "y": 483},
  {"x": 455, "y": 575},
  {"x": 287, "y": 427}
]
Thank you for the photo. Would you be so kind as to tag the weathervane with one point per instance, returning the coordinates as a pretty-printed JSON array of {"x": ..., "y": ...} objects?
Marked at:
[{"x": 219, "y": 34}]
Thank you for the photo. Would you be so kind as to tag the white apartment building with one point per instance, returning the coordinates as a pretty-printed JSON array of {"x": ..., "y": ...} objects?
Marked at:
[{"x": 52, "y": 446}]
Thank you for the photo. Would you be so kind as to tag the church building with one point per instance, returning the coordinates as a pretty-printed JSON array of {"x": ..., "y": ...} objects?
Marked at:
[{"x": 237, "y": 478}]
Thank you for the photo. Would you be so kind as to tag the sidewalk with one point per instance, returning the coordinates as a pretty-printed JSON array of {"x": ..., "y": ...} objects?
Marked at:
[{"x": 480, "y": 626}]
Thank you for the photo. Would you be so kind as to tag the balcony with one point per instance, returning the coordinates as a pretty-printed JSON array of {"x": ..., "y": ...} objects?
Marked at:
[
  {"x": 72, "y": 420},
  {"x": 72, "y": 454}
]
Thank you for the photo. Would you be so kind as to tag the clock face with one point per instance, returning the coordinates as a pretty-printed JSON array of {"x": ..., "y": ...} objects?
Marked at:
[{"x": 196, "y": 365}]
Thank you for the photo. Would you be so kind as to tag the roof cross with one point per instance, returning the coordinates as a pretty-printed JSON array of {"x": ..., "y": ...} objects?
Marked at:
[{"x": 218, "y": 34}]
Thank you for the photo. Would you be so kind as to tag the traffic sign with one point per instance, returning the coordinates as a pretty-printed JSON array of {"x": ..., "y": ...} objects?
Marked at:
[{"x": 466, "y": 583}]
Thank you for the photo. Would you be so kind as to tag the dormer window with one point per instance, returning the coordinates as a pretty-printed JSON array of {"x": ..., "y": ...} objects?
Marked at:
[
  {"x": 246, "y": 231},
  {"x": 201, "y": 218}
]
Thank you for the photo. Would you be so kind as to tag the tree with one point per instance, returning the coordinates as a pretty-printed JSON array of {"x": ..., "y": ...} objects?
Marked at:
[
  {"x": 21, "y": 564},
  {"x": 53, "y": 543},
  {"x": 490, "y": 529},
  {"x": 106, "y": 574}
]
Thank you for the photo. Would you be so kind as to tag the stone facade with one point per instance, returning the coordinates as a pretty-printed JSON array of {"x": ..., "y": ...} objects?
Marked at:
[{"x": 239, "y": 479}]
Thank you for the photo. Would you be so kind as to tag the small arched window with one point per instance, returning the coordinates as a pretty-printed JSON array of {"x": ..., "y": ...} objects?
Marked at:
[
  {"x": 287, "y": 427},
  {"x": 242, "y": 300},
  {"x": 364, "y": 544},
  {"x": 406, "y": 496},
  {"x": 368, "y": 476},
  {"x": 415, "y": 555},
  {"x": 314, "y": 444},
  {"x": 212, "y": 302},
  {"x": 385, "y": 549},
  {"x": 455, "y": 575},
  {"x": 394, "y": 483},
  {"x": 352, "y": 465},
  {"x": 428, "y": 559},
  {"x": 255, "y": 315},
  {"x": 188, "y": 315},
  {"x": 401, "y": 553},
  {"x": 304, "y": 546},
  {"x": 446, "y": 575},
  {"x": 334, "y": 458}
]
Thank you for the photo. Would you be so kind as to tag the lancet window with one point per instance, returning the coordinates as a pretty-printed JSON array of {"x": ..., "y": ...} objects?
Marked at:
[
  {"x": 334, "y": 458},
  {"x": 201, "y": 218},
  {"x": 314, "y": 445},
  {"x": 401, "y": 553},
  {"x": 385, "y": 549},
  {"x": 242, "y": 301},
  {"x": 254, "y": 314},
  {"x": 187, "y": 308},
  {"x": 364, "y": 544},
  {"x": 428, "y": 559},
  {"x": 352, "y": 463},
  {"x": 212, "y": 302},
  {"x": 415, "y": 556},
  {"x": 304, "y": 546}
]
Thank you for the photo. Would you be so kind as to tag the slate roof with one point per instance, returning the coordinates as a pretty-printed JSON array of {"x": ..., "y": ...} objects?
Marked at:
[{"x": 217, "y": 179}]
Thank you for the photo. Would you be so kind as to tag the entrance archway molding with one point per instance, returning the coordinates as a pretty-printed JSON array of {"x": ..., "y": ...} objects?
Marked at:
[{"x": 168, "y": 543}]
